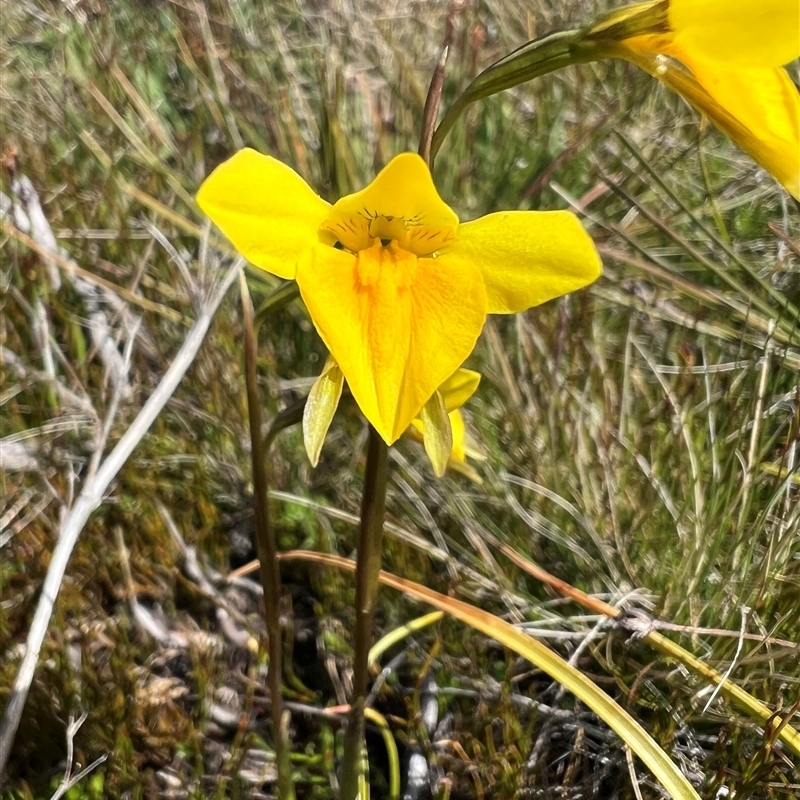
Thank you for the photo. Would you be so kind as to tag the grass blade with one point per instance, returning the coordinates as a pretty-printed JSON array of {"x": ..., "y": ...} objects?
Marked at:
[{"x": 622, "y": 723}]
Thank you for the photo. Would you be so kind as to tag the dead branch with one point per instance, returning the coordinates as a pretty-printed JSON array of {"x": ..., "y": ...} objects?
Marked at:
[{"x": 91, "y": 497}]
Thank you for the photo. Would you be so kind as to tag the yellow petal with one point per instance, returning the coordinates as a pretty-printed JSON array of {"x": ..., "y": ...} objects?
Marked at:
[
  {"x": 468, "y": 446},
  {"x": 401, "y": 203},
  {"x": 761, "y": 113},
  {"x": 759, "y": 109},
  {"x": 766, "y": 106},
  {"x": 463, "y": 446},
  {"x": 740, "y": 33},
  {"x": 459, "y": 434},
  {"x": 459, "y": 387},
  {"x": 526, "y": 257},
  {"x": 265, "y": 208},
  {"x": 437, "y": 434},
  {"x": 398, "y": 326},
  {"x": 321, "y": 405}
]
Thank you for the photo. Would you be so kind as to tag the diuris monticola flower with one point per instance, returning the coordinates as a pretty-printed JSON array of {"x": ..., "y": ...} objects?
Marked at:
[
  {"x": 397, "y": 288},
  {"x": 735, "y": 52}
]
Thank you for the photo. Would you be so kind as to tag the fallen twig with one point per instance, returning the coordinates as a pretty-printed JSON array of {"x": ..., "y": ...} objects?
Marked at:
[{"x": 91, "y": 497}]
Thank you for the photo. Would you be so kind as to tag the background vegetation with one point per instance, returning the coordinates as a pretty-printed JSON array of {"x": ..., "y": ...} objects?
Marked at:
[{"x": 641, "y": 436}]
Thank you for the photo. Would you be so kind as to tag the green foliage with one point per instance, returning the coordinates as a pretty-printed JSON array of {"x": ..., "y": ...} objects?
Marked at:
[{"x": 641, "y": 436}]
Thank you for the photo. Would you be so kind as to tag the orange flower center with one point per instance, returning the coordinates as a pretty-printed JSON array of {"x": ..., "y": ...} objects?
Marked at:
[
  {"x": 360, "y": 232},
  {"x": 389, "y": 263}
]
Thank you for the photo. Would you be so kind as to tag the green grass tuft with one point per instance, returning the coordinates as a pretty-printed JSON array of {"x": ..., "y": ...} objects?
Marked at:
[{"x": 642, "y": 436}]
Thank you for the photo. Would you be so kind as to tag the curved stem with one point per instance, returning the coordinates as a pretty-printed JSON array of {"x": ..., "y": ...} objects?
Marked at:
[
  {"x": 368, "y": 571},
  {"x": 588, "y": 43},
  {"x": 527, "y": 62}
]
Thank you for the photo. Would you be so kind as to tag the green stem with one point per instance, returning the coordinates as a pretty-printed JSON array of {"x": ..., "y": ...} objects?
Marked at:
[
  {"x": 589, "y": 43},
  {"x": 267, "y": 555},
  {"x": 368, "y": 568},
  {"x": 527, "y": 62}
]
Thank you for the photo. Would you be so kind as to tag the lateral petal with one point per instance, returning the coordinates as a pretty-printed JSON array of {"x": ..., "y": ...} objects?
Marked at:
[
  {"x": 437, "y": 433},
  {"x": 526, "y": 257},
  {"x": 459, "y": 387},
  {"x": 265, "y": 208},
  {"x": 321, "y": 404},
  {"x": 398, "y": 329},
  {"x": 463, "y": 445},
  {"x": 459, "y": 434}
]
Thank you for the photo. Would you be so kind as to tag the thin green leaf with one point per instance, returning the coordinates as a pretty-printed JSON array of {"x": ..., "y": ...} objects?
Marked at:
[
  {"x": 622, "y": 723},
  {"x": 527, "y": 62}
]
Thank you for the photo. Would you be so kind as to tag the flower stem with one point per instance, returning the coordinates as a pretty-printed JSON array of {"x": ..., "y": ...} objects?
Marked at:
[
  {"x": 433, "y": 101},
  {"x": 267, "y": 555},
  {"x": 368, "y": 568},
  {"x": 533, "y": 59}
]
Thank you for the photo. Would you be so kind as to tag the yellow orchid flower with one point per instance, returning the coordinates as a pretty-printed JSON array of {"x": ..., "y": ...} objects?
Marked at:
[
  {"x": 396, "y": 287},
  {"x": 735, "y": 51}
]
